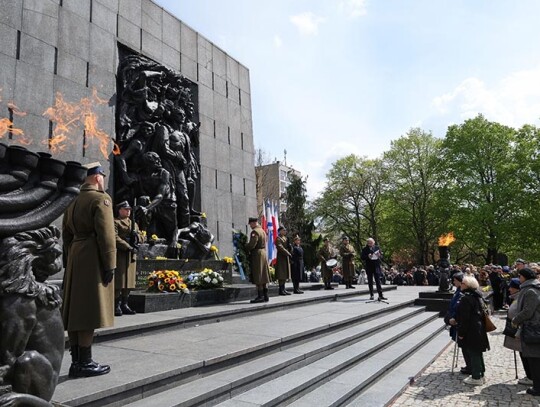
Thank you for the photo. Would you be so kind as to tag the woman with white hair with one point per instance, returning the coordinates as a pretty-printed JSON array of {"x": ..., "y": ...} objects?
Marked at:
[{"x": 472, "y": 337}]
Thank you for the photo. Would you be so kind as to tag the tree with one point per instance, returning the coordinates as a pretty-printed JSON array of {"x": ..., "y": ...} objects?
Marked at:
[
  {"x": 481, "y": 160},
  {"x": 350, "y": 200},
  {"x": 415, "y": 204},
  {"x": 265, "y": 185},
  {"x": 298, "y": 221}
]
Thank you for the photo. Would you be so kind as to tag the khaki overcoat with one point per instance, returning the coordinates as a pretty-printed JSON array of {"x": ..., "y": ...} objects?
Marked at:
[
  {"x": 347, "y": 252},
  {"x": 90, "y": 249},
  {"x": 324, "y": 254},
  {"x": 283, "y": 262},
  {"x": 258, "y": 260},
  {"x": 126, "y": 261}
]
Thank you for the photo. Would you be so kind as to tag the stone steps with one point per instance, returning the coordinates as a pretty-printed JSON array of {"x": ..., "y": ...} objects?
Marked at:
[
  {"x": 218, "y": 352},
  {"x": 222, "y": 385},
  {"x": 334, "y": 379}
]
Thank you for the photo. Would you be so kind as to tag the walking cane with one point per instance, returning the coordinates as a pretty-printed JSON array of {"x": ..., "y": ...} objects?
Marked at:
[
  {"x": 454, "y": 356},
  {"x": 515, "y": 363}
]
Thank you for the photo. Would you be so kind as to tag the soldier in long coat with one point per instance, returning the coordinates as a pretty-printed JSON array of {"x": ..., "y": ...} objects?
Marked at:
[
  {"x": 347, "y": 252},
  {"x": 325, "y": 253},
  {"x": 258, "y": 260},
  {"x": 127, "y": 240},
  {"x": 297, "y": 269},
  {"x": 90, "y": 259},
  {"x": 283, "y": 265}
]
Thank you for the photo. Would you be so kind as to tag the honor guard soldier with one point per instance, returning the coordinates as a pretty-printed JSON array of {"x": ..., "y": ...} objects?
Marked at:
[
  {"x": 258, "y": 260},
  {"x": 90, "y": 261},
  {"x": 127, "y": 242},
  {"x": 327, "y": 253},
  {"x": 283, "y": 260},
  {"x": 347, "y": 252}
]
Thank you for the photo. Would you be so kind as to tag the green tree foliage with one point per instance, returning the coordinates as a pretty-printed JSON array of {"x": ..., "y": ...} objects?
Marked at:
[
  {"x": 350, "y": 201},
  {"x": 298, "y": 221},
  {"x": 415, "y": 203},
  {"x": 486, "y": 188}
]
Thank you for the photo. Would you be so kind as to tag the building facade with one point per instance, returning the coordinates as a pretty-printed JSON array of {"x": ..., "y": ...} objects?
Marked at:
[
  {"x": 272, "y": 182},
  {"x": 71, "y": 48}
]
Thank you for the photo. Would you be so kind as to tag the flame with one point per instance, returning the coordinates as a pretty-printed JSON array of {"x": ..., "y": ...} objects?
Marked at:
[
  {"x": 68, "y": 118},
  {"x": 116, "y": 149},
  {"x": 15, "y": 110},
  {"x": 445, "y": 240}
]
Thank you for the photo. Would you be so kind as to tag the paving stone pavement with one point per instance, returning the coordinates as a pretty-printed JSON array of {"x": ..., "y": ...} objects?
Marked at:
[{"x": 438, "y": 386}]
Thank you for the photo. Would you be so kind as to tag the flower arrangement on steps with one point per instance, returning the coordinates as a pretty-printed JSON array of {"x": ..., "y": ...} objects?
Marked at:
[
  {"x": 205, "y": 279},
  {"x": 163, "y": 281}
]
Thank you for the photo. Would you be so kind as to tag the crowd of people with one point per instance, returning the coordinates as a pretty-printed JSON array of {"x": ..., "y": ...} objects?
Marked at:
[{"x": 516, "y": 290}]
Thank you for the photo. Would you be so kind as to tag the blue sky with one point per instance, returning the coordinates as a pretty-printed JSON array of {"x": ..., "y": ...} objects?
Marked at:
[{"x": 334, "y": 77}]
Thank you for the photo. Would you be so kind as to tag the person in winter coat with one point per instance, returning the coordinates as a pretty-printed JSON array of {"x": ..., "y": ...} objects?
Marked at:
[
  {"x": 528, "y": 306},
  {"x": 511, "y": 341},
  {"x": 472, "y": 337},
  {"x": 450, "y": 318}
]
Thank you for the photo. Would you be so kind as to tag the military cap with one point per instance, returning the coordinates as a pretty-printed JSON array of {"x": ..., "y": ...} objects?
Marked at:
[
  {"x": 281, "y": 228},
  {"x": 252, "y": 219},
  {"x": 344, "y": 237},
  {"x": 521, "y": 261},
  {"x": 123, "y": 204},
  {"x": 98, "y": 169}
]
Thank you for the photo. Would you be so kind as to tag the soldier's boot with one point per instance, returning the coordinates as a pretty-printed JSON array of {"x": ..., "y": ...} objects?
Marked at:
[
  {"x": 328, "y": 285},
  {"x": 74, "y": 350},
  {"x": 265, "y": 294},
  {"x": 259, "y": 298},
  {"x": 86, "y": 367},
  {"x": 125, "y": 307},
  {"x": 351, "y": 286},
  {"x": 282, "y": 289},
  {"x": 296, "y": 286},
  {"x": 118, "y": 307}
]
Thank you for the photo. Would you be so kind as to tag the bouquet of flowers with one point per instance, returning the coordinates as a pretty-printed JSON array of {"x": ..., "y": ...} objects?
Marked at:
[
  {"x": 161, "y": 281},
  {"x": 205, "y": 279}
]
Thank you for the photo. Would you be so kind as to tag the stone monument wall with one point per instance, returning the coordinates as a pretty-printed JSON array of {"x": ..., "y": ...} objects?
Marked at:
[{"x": 71, "y": 47}]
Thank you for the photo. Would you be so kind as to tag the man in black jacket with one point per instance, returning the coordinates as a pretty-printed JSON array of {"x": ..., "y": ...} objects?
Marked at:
[{"x": 371, "y": 256}]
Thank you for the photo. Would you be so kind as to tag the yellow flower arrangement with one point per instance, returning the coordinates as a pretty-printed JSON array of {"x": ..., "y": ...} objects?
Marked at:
[
  {"x": 143, "y": 233},
  {"x": 161, "y": 258},
  {"x": 154, "y": 237},
  {"x": 214, "y": 249},
  {"x": 203, "y": 215},
  {"x": 166, "y": 281},
  {"x": 228, "y": 260}
]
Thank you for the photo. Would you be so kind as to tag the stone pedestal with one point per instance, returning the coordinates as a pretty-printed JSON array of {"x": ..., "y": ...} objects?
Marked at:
[
  {"x": 145, "y": 267},
  {"x": 435, "y": 301}
]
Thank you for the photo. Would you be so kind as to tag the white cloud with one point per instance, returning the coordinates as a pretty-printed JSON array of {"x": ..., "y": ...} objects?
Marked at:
[
  {"x": 278, "y": 42},
  {"x": 354, "y": 8},
  {"x": 307, "y": 23},
  {"x": 514, "y": 100}
]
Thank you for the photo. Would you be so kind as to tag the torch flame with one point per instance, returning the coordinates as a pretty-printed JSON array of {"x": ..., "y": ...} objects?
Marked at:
[
  {"x": 446, "y": 240},
  {"x": 68, "y": 118}
]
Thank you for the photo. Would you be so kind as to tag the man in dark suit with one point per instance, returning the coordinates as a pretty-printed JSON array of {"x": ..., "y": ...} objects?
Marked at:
[{"x": 371, "y": 256}]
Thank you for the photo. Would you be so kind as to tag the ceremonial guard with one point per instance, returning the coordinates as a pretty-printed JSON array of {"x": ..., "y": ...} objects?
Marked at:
[
  {"x": 297, "y": 269},
  {"x": 347, "y": 252},
  {"x": 326, "y": 253},
  {"x": 127, "y": 242},
  {"x": 90, "y": 261},
  {"x": 258, "y": 260},
  {"x": 283, "y": 265}
]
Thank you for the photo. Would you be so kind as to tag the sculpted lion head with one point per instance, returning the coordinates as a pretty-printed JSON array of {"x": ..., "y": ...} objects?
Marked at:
[{"x": 27, "y": 259}]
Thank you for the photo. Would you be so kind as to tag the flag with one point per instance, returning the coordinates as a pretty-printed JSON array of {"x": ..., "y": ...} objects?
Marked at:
[
  {"x": 275, "y": 220},
  {"x": 270, "y": 240}
]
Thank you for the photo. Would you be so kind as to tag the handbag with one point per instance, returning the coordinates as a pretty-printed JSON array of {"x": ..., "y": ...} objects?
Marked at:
[
  {"x": 488, "y": 323},
  {"x": 509, "y": 330},
  {"x": 530, "y": 333}
]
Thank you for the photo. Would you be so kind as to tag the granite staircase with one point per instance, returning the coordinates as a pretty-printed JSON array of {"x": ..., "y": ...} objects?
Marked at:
[{"x": 342, "y": 351}]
